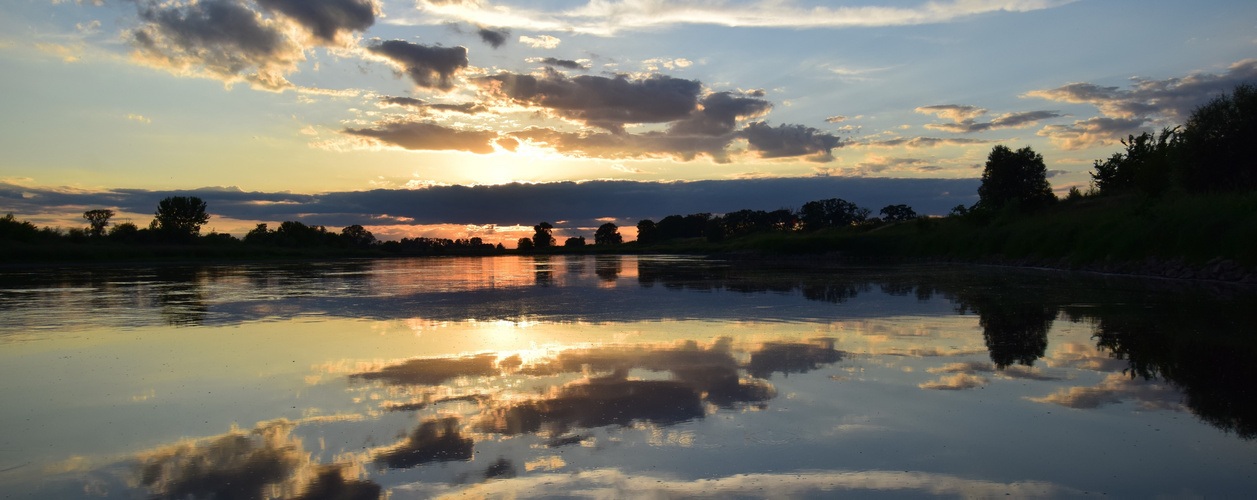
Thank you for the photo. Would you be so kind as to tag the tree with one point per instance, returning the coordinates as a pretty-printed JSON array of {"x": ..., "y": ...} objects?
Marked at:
[
  {"x": 1014, "y": 178},
  {"x": 358, "y": 236},
  {"x": 1147, "y": 164},
  {"x": 180, "y": 216},
  {"x": 524, "y": 245},
  {"x": 98, "y": 219},
  {"x": 574, "y": 241},
  {"x": 897, "y": 213},
  {"x": 608, "y": 234},
  {"x": 647, "y": 232},
  {"x": 1221, "y": 152},
  {"x": 543, "y": 235},
  {"x": 834, "y": 212}
]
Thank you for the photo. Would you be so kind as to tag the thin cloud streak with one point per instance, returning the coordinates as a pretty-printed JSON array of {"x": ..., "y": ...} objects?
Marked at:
[{"x": 609, "y": 18}]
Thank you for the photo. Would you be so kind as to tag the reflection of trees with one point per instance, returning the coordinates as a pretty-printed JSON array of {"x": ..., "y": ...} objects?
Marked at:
[
  {"x": 1015, "y": 332},
  {"x": 608, "y": 267},
  {"x": 543, "y": 273},
  {"x": 181, "y": 295},
  {"x": 435, "y": 440},
  {"x": 1204, "y": 347}
]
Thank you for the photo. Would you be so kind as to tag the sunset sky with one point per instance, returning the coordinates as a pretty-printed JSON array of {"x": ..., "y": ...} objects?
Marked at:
[{"x": 470, "y": 118}]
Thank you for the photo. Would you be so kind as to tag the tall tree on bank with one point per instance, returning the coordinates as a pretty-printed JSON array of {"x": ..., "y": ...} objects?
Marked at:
[
  {"x": 180, "y": 217},
  {"x": 98, "y": 219},
  {"x": 1221, "y": 140},
  {"x": 608, "y": 234},
  {"x": 1014, "y": 178},
  {"x": 543, "y": 235}
]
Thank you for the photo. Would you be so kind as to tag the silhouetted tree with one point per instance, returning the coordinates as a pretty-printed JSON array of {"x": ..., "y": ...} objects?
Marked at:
[
  {"x": 125, "y": 232},
  {"x": 524, "y": 245},
  {"x": 543, "y": 235},
  {"x": 258, "y": 235},
  {"x": 1146, "y": 165},
  {"x": 608, "y": 234},
  {"x": 98, "y": 219},
  {"x": 647, "y": 232},
  {"x": 574, "y": 241},
  {"x": 180, "y": 216},
  {"x": 834, "y": 212},
  {"x": 1014, "y": 178},
  {"x": 1219, "y": 138},
  {"x": 358, "y": 236},
  {"x": 897, "y": 213}
]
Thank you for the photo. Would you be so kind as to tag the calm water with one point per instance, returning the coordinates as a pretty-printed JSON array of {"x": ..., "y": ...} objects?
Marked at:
[{"x": 620, "y": 377}]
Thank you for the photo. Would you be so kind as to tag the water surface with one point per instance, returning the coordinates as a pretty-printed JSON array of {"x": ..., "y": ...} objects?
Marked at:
[{"x": 622, "y": 377}]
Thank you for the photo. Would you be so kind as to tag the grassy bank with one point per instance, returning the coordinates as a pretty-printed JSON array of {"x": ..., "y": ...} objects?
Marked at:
[{"x": 1089, "y": 231}]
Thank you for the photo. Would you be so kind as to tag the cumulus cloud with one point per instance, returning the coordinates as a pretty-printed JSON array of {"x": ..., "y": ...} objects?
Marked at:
[
  {"x": 607, "y": 18},
  {"x": 427, "y": 137},
  {"x": 328, "y": 21},
  {"x": 718, "y": 114},
  {"x": 430, "y": 67},
  {"x": 790, "y": 140},
  {"x": 964, "y": 118},
  {"x": 606, "y": 103},
  {"x": 1146, "y": 103},
  {"x": 628, "y": 146},
  {"x": 495, "y": 38},
  {"x": 836, "y": 119},
  {"x": 221, "y": 39},
  {"x": 540, "y": 42}
]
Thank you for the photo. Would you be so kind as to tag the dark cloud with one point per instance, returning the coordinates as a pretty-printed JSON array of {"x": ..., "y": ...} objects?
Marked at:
[
  {"x": 434, "y": 371},
  {"x": 516, "y": 203},
  {"x": 790, "y": 140},
  {"x": 428, "y": 66},
  {"x": 428, "y": 137},
  {"x": 607, "y": 103},
  {"x": 563, "y": 63},
  {"x": 434, "y": 440},
  {"x": 718, "y": 114},
  {"x": 495, "y": 38},
  {"x": 222, "y": 39},
  {"x": 326, "y": 19},
  {"x": 469, "y": 108}
]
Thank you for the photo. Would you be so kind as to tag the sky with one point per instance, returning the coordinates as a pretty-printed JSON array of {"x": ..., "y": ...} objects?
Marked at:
[{"x": 461, "y": 118}]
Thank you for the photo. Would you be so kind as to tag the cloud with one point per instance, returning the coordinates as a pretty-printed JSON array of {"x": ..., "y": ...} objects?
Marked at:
[
  {"x": 920, "y": 142},
  {"x": 423, "y": 136},
  {"x": 964, "y": 118},
  {"x": 1097, "y": 131},
  {"x": 790, "y": 140},
  {"x": 627, "y": 146},
  {"x": 220, "y": 39},
  {"x": 430, "y": 67},
  {"x": 718, "y": 114},
  {"x": 836, "y": 119},
  {"x": 1014, "y": 372},
  {"x": 495, "y": 38},
  {"x": 1114, "y": 389},
  {"x": 957, "y": 382},
  {"x": 597, "y": 101},
  {"x": 540, "y": 42},
  {"x": 514, "y": 203},
  {"x": 1146, "y": 103},
  {"x": 328, "y": 21},
  {"x": 138, "y": 118},
  {"x": 878, "y": 164},
  {"x": 468, "y": 108},
  {"x": 608, "y": 18},
  {"x": 562, "y": 63}
]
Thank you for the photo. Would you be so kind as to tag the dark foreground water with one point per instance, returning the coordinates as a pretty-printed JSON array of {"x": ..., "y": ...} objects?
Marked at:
[{"x": 620, "y": 377}]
